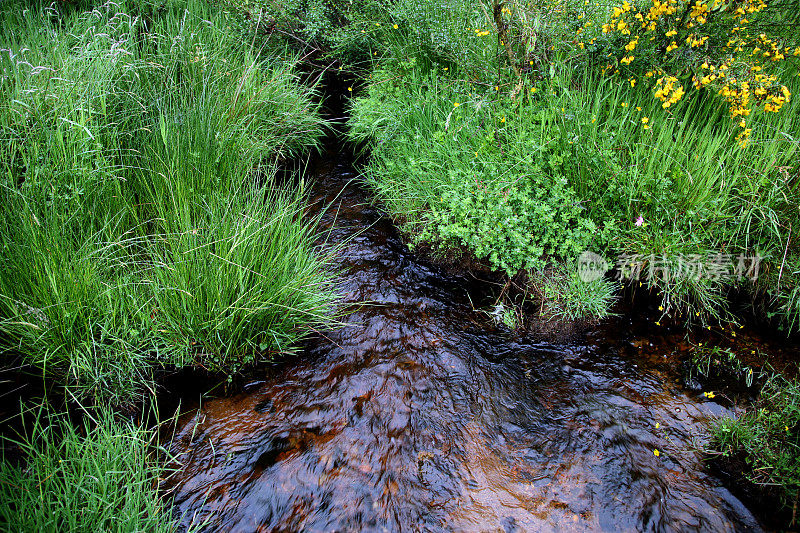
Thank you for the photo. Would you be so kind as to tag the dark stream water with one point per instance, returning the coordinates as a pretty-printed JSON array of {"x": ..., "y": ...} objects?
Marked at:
[{"x": 421, "y": 414}]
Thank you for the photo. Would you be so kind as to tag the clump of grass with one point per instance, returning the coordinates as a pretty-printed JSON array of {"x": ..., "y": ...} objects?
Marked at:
[
  {"x": 237, "y": 281},
  {"x": 564, "y": 295},
  {"x": 141, "y": 221},
  {"x": 768, "y": 436},
  {"x": 96, "y": 477}
]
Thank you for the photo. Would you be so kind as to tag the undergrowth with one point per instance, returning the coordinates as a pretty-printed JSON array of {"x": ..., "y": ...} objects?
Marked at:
[
  {"x": 98, "y": 476},
  {"x": 767, "y": 435},
  {"x": 140, "y": 221}
]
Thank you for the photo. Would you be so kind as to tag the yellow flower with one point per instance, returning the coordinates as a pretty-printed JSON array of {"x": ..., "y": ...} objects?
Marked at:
[
  {"x": 656, "y": 453},
  {"x": 350, "y": 89},
  {"x": 395, "y": 26},
  {"x": 658, "y": 425},
  {"x": 456, "y": 104},
  {"x": 503, "y": 119}
]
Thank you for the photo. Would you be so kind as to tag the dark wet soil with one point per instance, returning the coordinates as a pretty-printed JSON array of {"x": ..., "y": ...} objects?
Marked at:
[{"x": 422, "y": 414}]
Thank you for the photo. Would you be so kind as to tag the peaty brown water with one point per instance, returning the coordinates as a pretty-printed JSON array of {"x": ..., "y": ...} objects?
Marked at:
[{"x": 421, "y": 414}]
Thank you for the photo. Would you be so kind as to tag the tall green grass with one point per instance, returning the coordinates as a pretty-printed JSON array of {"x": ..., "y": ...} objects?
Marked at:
[
  {"x": 99, "y": 476},
  {"x": 141, "y": 221}
]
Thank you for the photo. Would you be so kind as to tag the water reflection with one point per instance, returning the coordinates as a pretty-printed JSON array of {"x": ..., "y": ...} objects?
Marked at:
[{"x": 421, "y": 415}]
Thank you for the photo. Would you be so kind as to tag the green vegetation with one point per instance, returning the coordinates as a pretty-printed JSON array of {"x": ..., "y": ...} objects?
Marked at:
[
  {"x": 528, "y": 166},
  {"x": 98, "y": 477},
  {"x": 768, "y": 438},
  {"x": 566, "y": 296},
  {"x": 140, "y": 223},
  {"x": 662, "y": 134},
  {"x": 523, "y": 133},
  {"x": 141, "y": 227}
]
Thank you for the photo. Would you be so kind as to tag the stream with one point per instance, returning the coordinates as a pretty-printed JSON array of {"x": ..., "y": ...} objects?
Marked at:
[{"x": 422, "y": 414}]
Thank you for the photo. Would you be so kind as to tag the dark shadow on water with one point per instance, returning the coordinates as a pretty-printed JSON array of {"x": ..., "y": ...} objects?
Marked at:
[{"x": 421, "y": 414}]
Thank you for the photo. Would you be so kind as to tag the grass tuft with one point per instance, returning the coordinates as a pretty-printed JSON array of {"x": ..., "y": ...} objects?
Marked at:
[{"x": 95, "y": 477}]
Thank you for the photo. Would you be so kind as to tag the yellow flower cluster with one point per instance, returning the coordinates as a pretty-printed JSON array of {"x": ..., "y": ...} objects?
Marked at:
[
  {"x": 775, "y": 102},
  {"x": 743, "y": 136},
  {"x": 699, "y": 12},
  {"x": 696, "y": 40},
  {"x": 771, "y": 49},
  {"x": 661, "y": 9},
  {"x": 737, "y": 97},
  {"x": 681, "y": 25},
  {"x": 761, "y": 88},
  {"x": 669, "y": 90}
]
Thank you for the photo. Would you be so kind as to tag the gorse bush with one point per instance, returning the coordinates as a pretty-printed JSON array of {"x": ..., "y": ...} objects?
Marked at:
[
  {"x": 542, "y": 154},
  {"x": 140, "y": 220},
  {"x": 696, "y": 44}
]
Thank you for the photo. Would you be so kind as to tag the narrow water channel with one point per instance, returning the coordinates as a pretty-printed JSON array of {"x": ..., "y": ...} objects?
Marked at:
[{"x": 422, "y": 415}]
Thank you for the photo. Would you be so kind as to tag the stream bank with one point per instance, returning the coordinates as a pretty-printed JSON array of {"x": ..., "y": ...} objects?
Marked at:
[{"x": 423, "y": 413}]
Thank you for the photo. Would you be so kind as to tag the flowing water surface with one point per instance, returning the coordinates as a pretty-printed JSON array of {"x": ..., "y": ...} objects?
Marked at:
[{"x": 422, "y": 415}]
